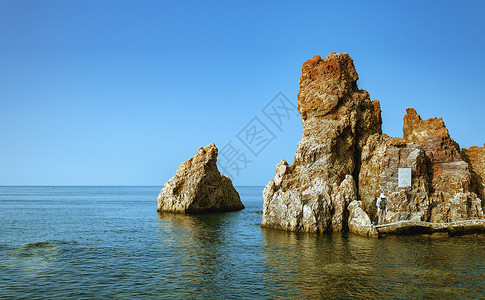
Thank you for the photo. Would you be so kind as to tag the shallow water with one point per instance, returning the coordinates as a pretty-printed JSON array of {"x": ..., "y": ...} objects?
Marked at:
[{"x": 92, "y": 242}]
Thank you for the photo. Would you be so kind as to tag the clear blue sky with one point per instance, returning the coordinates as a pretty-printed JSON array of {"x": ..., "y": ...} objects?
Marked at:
[{"x": 121, "y": 92}]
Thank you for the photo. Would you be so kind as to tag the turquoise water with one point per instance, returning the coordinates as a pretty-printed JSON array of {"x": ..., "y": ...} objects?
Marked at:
[{"x": 109, "y": 242}]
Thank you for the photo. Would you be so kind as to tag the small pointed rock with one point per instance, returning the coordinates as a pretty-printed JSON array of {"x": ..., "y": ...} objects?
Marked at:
[{"x": 199, "y": 187}]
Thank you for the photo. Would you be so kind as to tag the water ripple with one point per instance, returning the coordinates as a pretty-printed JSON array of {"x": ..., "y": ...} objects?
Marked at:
[{"x": 109, "y": 242}]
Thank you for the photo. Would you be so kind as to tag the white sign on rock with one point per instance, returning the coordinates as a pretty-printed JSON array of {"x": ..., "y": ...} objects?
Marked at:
[{"x": 404, "y": 177}]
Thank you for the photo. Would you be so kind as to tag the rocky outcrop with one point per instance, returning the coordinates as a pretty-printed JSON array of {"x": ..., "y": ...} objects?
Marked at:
[
  {"x": 382, "y": 157},
  {"x": 458, "y": 228},
  {"x": 198, "y": 187},
  {"x": 359, "y": 221},
  {"x": 313, "y": 193},
  {"x": 441, "y": 189},
  {"x": 450, "y": 171},
  {"x": 343, "y": 156},
  {"x": 453, "y": 196}
]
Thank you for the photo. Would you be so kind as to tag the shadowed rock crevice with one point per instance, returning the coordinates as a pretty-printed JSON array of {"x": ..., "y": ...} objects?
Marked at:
[{"x": 475, "y": 156}]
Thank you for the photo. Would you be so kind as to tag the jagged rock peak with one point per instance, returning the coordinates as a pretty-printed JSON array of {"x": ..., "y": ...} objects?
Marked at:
[
  {"x": 419, "y": 131},
  {"x": 198, "y": 187},
  {"x": 343, "y": 156},
  {"x": 313, "y": 193},
  {"x": 443, "y": 188},
  {"x": 329, "y": 78}
]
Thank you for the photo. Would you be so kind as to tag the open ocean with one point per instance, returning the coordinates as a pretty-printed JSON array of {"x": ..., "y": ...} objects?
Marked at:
[{"x": 110, "y": 242}]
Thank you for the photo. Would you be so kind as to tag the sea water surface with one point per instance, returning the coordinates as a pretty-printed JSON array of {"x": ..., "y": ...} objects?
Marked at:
[{"x": 109, "y": 242}]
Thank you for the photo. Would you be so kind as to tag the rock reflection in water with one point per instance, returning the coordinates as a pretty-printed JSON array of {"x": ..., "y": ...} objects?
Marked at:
[
  {"x": 309, "y": 266},
  {"x": 197, "y": 265},
  {"x": 336, "y": 266},
  {"x": 114, "y": 245},
  {"x": 206, "y": 256}
]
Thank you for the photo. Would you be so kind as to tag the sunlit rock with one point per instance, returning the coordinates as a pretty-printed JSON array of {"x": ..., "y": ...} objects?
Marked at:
[
  {"x": 313, "y": 193},
  {"x": 359, "y": 221},
  {"x": 343, "y": 156},
  {"x": 198, "y": 187}
]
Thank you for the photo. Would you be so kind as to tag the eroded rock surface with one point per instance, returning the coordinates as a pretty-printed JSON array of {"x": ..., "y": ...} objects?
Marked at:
[
  {"x": 343, "y": 156},
  {"x": 453, "y": 196},
  {"x": 359, "y": 221},
  {"x": 313, "y": 193},
  {"x": 476, "y": 158},
  {"x": 382, "y": 157},
  {"x": 198, "y": 187},
  {"x": 441, "y": 190}
]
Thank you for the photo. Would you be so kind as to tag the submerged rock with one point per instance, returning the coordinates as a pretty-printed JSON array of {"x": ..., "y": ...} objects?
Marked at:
[
  {"x": 198, "y": 187},
  {"x": 343, "y": 156},
  {"x": 33, "y": 259}
]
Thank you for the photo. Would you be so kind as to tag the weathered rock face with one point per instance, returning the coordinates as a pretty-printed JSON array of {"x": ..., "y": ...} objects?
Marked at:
[
  {"x": 359, "y": 221},
  {"x": 313, "y": 193},
  {"x": 441, "y": 190},
  {"x": 382, "y": 156},
  {"x": 198, "y": 187},
  {"x": 476, "y": 158},
  {"x": 343, "y": 156},
  {"x": 453, "y": 197},
  {"x": 450, "y": 171}
]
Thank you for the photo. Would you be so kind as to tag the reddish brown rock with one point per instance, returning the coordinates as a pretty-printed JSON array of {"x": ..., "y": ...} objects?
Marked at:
[
  {"x": 343, "y": 156},
  {"x": 441, "y": 190},
  {"x": 381, "y": 159},
  {"x": 454, "y": 197},
  {"x": 198, "y": 187},
  {"x": 456, "y": 207},
  {"x": 313, "y": 193},
  {"x": 476, "y": 158},
  {"x": 450, "y": 171},
  {"x": 420, "y": 131}
]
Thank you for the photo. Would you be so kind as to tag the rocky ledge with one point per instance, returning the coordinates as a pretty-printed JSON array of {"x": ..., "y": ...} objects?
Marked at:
[
  {"x": 198, "y": 187},
  {"x": 458, "y": 228},
  {"x": 344, "y": 156}
]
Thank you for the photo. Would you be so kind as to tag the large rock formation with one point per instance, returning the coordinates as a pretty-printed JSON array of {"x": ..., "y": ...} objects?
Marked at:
[
  {"x": 313, "y": 193},
  {"x": 343, "y": 156},
  {"x": 198, "y": 187},
  {"x": 453, "y": 197},
  {"x": 381, "y": 158},
  {"x": 441, "y": 189}
]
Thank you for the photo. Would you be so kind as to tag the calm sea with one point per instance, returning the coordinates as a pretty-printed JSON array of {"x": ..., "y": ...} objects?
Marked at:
[{"x": 109, "y": 242}]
